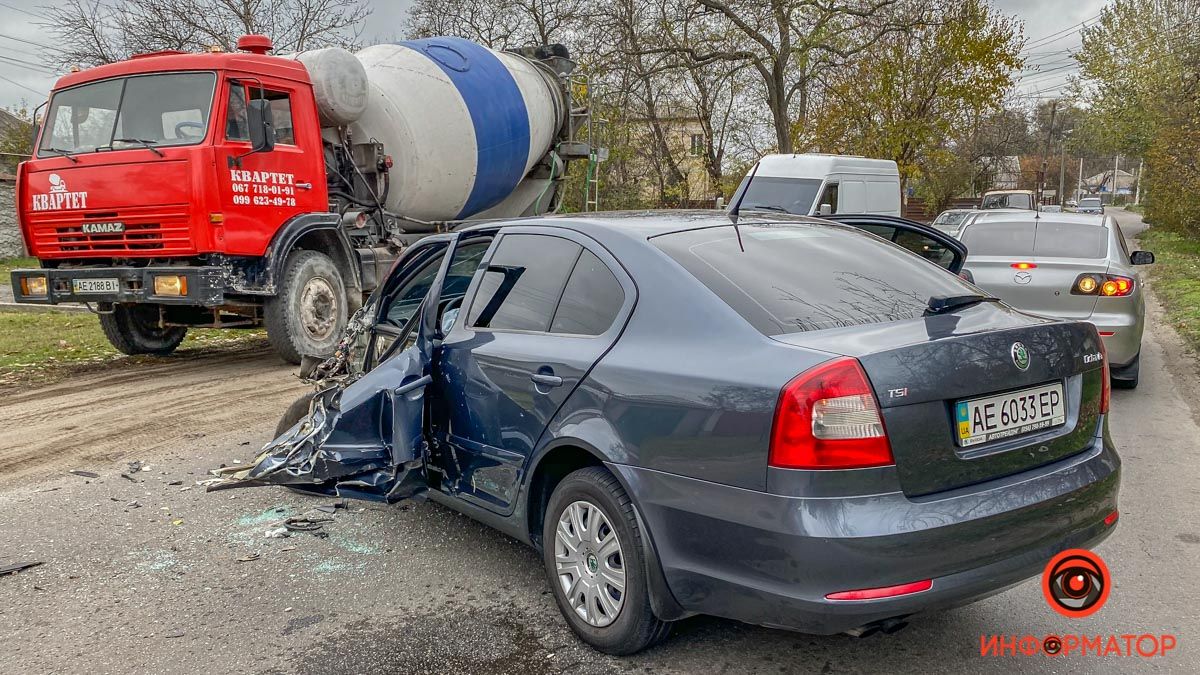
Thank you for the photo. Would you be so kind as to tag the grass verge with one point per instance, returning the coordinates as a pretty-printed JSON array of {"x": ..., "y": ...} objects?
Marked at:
[
  {"x": 1176, "y": 278},
  {"x": 9, "y": 264},
  {"x": 37, "y": 347}
]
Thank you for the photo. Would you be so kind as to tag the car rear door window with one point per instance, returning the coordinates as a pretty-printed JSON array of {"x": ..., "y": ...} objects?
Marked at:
[
  {"x": 591, "y": 301},
  {"x": 999, "y": 239},
  {"x": 792, "y": 278},
  {"x": 523, "y": 283}
]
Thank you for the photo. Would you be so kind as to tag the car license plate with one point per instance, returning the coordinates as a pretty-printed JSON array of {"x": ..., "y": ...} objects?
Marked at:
[
  {"x": 992, "y": 418},
  {"x": 94, "y": 286}
]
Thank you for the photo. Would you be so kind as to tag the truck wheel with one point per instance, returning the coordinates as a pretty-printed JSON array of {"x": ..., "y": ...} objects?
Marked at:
[
  {"x": 596, "y": 565},
  {"x": 134, "y": 329},
  {"x": 309, "y": 311}
]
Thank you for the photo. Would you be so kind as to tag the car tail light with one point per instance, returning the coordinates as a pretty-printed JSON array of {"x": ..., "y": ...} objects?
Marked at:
[
  {"x": 1106, "y": 382},
  {"x": 1107, "y": 285},
  {"x": 884, "y": 592},
  {"x": 1111, "y": 518},
  {"x": 828, "y": 418},
  {"x": 1023, "y": 265}
]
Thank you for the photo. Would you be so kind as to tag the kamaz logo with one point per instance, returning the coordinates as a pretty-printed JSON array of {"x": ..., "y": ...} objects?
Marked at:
[{"x": 103, "y": 228}]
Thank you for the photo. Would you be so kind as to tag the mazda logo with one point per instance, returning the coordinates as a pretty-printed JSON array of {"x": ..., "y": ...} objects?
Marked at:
[{"x": 1023, "y": 277}]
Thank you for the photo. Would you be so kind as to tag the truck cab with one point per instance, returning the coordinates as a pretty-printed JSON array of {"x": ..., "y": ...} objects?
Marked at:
[
  {"x": 820, "y": 184},
  {"x": 237, "y": 190}
]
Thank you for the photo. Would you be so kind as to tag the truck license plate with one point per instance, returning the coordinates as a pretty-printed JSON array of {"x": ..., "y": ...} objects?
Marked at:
[
  {"x": 94, "y": 286},
  {"x": 1020, "y": 412}
]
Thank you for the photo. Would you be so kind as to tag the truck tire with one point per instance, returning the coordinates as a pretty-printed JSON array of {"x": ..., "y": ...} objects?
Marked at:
[
  {"x": 134, "y": 329},
  {"x": 309, "y": 310}
]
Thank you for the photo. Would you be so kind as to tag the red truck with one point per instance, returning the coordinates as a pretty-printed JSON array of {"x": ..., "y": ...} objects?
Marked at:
[{"x": 176, "y": 190}]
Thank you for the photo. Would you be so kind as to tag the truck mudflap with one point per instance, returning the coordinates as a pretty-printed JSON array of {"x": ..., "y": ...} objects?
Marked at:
[{"x": 364, "y": 441}]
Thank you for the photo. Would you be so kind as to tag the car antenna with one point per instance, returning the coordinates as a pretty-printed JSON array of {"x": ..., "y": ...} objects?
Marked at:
[{"x": 736, "y": 208}]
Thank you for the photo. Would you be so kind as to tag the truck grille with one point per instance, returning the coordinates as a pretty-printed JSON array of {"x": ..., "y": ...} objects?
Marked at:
[{"x": 147, "y": 231}]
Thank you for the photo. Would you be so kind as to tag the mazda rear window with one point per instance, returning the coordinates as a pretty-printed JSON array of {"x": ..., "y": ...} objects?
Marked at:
[
  {"x": 999, "y": 239},
  {"x": 793, "y": 278},
  {"x": 1070, "y": 240}
]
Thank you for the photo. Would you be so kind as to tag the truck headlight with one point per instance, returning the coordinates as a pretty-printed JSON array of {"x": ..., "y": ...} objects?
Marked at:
[
  {"x": 170, "y": 285},
  {"x": 33, "y": 286}
]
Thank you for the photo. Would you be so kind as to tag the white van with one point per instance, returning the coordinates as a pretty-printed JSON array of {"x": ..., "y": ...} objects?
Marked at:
[{"x": 820, "y": 184}]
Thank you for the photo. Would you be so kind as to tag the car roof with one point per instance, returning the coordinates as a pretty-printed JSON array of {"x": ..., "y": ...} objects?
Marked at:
[
  {"x": 650, "y": 223},
  {"x": 1024, "y": 216}
]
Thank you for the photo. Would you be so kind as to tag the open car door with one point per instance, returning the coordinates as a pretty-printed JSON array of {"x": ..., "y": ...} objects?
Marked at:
[
  {"x": 927, "y": 242},
  {"x": 364, "y": 440}
]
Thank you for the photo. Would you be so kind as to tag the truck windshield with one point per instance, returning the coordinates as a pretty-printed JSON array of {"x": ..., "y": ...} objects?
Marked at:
[
  {"x": 793, "y": 195},
  {"x": 171, "y": 109}
]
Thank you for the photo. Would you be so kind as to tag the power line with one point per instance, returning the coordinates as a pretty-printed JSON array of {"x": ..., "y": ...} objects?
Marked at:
[
  {"x": 28, "y": 42},
  {"x": 24, "y": 11},
  {"x": 39, "y": 93},
  {"x": 1055, "y": 37},
  {"x": 27, "y": 64}
]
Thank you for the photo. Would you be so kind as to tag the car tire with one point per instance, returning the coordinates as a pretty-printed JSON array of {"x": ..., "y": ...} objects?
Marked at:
[
  {"x": 310, "y": 309},
  {"x": 633, "y": 626},
  {"x": 134, "y": 329},
  {"x": 294, "y": 413},
  {"x": 1126, "y": 377}
]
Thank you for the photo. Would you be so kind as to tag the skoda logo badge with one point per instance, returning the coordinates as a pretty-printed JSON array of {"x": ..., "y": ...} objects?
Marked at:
[{"x": 1020, "y": 356}]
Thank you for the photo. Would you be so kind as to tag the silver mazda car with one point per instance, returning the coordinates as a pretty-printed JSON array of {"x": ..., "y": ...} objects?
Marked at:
[{"x": 1067, "y": 265}]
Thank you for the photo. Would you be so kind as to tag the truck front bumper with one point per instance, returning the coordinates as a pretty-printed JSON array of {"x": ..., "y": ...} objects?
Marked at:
[{"x": 203, "y": 286}]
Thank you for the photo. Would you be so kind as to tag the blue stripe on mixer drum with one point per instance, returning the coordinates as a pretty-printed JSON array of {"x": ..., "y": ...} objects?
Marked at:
[{"x": 497, "y": 112}]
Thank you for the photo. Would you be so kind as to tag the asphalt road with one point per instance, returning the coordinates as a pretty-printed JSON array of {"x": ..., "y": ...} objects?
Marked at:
[{"x": 144, "y": 575}]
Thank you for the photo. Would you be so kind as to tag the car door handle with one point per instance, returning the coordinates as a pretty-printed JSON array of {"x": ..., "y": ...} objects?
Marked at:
[
  {"x": 304, "y": 186},
  {"x": 546, "y": 380},
  {"x": 415, "y": 384}
]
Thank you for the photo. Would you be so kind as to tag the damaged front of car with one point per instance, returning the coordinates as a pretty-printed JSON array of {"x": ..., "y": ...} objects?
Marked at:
[{"x": 364, "y": 433}]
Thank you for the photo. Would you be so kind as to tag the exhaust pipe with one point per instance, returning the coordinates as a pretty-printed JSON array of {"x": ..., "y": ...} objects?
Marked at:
[{"x": 887, "y": 626}]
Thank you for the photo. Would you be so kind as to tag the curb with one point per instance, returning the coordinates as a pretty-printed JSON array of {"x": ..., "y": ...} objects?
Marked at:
[{"x": 14, "y": 306}]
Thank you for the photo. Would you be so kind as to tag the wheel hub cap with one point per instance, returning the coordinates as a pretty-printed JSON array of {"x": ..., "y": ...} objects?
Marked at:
[
  {"x": 318, "y": 308},
  {"x": 589, "y": 563}
]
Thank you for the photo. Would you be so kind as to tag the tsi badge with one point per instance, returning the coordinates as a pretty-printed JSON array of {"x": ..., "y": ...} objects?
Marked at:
[
  {"x": 1093, "y": 358},
  {"x": 1020, "y": 356}
]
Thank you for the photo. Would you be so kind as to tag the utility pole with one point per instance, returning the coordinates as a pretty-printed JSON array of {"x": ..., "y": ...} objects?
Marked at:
[
  {"x": 1062, "y": 173},
  {"x": 1137, "y": 193},
  {"x": 1116, "y": 168},
  {"x": 1079, "y": 182},
  {"x": 1041, "y": 175}
]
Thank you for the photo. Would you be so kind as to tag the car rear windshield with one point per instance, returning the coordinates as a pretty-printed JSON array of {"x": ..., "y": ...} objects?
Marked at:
[
  {"x": 1046, "y": 240},
  {"x": 1089, "y": 202},
  {"x": 803, "y": 277}
]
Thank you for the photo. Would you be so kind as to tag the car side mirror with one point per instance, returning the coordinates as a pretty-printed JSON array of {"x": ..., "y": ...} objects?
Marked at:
[
  {"x": 1141, "y": 258},
  {"x": 262, "y": 126},
  {"x": 825, "y": 209}
]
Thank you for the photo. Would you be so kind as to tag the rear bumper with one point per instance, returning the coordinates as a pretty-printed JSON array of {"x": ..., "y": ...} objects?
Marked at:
[
  {"x": 770, "y": 560},
  {"x": 205, "y": 285},
  {"x": 1125, "y": 340}
]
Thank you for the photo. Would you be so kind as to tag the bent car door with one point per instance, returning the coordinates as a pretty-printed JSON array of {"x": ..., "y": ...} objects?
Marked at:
[
  {"x": 544, "y": 308},
  {"x": 367, "y": 439}
]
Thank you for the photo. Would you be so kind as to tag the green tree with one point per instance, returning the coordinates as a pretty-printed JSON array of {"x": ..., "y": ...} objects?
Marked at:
[
  {"x": 915, "y": 90},
  {"x": 16, "y": 137}
]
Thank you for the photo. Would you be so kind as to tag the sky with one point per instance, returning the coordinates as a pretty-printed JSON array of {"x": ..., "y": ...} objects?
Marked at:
[{"x": 1051, "y": 28}]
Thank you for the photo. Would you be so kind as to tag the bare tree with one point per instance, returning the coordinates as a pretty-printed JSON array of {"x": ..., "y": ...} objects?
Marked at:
[
  {"x": 499, "y": 24},
  {"x": 91, "y": 32}
]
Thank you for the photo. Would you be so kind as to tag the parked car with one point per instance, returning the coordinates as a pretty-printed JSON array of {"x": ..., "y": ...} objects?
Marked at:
[
  {"x": 786, "y": 421},
  {"x": 1090, "y": 205},
  {"x": 951, "y": 221},
  {"x": 821, "y": 184},
  {"x": 1051, "y": 208},
  {"x": 1008, "y": 199},
  {"x": 1065, "y": 265},
  {"x": 1071, "y": 203}
]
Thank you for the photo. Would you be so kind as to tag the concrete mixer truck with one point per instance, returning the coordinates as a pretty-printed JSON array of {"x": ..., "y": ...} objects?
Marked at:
[{"x": 241, "y": 189}]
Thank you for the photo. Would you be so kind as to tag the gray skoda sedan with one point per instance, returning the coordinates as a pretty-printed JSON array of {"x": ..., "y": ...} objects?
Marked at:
[
  {"x": 782, "y": 420},
  {"x": 1067, "y": 265}
]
